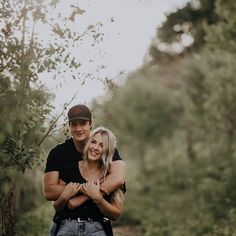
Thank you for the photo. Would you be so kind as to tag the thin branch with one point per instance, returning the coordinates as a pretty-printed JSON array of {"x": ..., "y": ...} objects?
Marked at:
[
  {"x": 2, "y": 68},
  {"x": 55, "y": 121}
]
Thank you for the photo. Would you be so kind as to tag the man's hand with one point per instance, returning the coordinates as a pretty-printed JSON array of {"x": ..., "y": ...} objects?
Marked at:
[{"x": 68, "y": 192}]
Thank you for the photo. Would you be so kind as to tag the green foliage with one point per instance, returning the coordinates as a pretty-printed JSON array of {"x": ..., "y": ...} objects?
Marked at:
[
  {"x": 34, "y": 214},
  {"x": 25, "y": 102},
  {"x": 181, "y": 164},
  {"x": 146, "y": 102},
  {"x": 222, "y": 35},
  {"x": 188, "y": 20},
  {"x": 36, "y": 221},
  {"x": 174, "y": 120}
]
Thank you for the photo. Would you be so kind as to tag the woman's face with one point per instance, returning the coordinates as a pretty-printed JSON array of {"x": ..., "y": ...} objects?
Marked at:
[{"x": 95, "y": 148}]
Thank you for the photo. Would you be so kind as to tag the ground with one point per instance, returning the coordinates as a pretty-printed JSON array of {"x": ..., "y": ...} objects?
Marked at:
[{"x": 124, "y": 230}]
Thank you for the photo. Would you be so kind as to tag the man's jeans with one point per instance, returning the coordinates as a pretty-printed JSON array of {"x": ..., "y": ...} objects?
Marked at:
[
  {"x": 75, "y": 228},
  {"x": 52, "y": 229}
]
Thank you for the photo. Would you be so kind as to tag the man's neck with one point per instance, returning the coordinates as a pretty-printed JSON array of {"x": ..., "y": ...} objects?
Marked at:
[{"x": 79, "y": 145}]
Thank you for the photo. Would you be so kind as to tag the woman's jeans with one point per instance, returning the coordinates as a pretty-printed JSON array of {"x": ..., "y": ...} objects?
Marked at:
[{"x": 75, "y": 228}]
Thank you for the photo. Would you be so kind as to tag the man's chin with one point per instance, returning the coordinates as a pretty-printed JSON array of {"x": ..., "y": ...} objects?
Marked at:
[{"x": 79, "y": 139}]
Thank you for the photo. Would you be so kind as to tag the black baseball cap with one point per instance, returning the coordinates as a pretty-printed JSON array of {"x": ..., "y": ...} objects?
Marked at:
[{"x": 79, "y": 112}]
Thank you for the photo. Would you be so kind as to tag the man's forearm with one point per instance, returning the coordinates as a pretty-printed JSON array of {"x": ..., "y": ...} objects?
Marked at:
[
  {"x": 52, "y": 188},
  {"x": 115, "y": 178},
  {"x": 59, "y": 203},
  {"x": 53, "y": 191},
  {"x": 111, "y": 183}
]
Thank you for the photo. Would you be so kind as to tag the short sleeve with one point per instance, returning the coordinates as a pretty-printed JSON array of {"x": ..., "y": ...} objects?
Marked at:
[
  {"x": 116, "y": 156},
  {"x": 123, "y": 187},
  {"x": 53, "y": 162}
]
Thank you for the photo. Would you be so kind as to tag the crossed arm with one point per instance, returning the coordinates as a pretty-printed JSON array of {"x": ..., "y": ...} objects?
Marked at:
[
  {"x": 52, "y": 188},
  {"x": 69, "y": 191},
  {"x": 110, "y": 209}
]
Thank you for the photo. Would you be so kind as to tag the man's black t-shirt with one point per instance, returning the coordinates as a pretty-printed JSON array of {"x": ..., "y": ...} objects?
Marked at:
[
  {"x": 70, "y": 173},
  {"x": 67, "y": 153}
]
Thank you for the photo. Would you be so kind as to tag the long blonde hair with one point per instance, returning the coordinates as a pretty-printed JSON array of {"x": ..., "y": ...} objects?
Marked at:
[{"x": 109, "y": 145}]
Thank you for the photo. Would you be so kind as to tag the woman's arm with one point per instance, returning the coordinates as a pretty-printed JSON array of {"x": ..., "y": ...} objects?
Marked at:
[
  {"x": 69, "y": 191},
  {"x": 111, "y": 210},
  {"x": 77, "y": 201},
  {"x": 113, "y": 181}
]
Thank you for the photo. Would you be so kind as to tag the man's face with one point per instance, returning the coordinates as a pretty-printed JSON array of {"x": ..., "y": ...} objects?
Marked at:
[{"x": 80, "y": 130}]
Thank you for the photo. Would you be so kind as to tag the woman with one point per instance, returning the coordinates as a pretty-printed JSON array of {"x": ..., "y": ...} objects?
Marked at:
[{"x": 92, "y": 217}]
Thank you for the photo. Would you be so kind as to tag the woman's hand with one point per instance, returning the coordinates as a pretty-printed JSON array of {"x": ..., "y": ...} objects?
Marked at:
[
  {"x": 92, "y": 189},
  {"x": 70, "y": 190}
]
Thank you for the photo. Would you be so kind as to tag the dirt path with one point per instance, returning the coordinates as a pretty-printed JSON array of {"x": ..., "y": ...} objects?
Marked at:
[{"x": 124, "y": 230}]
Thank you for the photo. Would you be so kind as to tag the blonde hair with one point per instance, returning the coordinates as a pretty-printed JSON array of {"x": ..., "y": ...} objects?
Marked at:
[
  {"x": 118, "y": 195},
  {"x": 109, "y": 145}
]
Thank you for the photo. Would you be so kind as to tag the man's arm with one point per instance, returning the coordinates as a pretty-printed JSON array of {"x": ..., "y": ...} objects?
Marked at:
[
  {"x": 113, "y": 181},
  {"x": 51, "y": 187},
  {"x": 115, "y": 177},
  {"x": 69, "y": 191}
]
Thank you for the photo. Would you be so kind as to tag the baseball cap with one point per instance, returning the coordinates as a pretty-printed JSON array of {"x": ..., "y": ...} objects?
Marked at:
[{"x": 79, "y": 112}]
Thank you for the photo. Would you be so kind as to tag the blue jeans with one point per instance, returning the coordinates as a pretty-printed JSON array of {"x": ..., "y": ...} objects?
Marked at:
[
  {"x": 52, "y": 229},
  {"x": 75, "y": 228}
]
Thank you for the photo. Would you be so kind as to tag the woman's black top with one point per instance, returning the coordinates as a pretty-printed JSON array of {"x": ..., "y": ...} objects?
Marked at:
[{"x": 70, "y": 173}]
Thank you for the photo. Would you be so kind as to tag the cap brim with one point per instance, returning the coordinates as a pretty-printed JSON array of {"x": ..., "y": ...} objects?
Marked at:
[{"x": 79, "y": 118}]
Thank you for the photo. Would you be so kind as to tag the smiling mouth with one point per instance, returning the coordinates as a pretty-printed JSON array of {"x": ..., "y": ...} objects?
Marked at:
[
  {"x": 78, "y": 134},
  {"x": 94, "y": 153}
]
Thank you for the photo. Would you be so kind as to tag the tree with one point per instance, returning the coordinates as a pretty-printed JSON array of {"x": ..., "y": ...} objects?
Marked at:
[
  {"x": 25, "y": 102},
  {"x": 141, "y": 114},
  {"x": 184, "y": 30},
  {"x": 202, "y": 128}
]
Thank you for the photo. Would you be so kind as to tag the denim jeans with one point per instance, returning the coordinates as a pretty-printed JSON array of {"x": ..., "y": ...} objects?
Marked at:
[
  {"x": 75, "y": 228},
  {"x": 52, "y": 229}
]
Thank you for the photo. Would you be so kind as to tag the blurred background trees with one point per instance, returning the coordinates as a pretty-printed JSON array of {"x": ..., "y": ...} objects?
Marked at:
[
  {"x": 175, "y": 122},
  {"x": 25, "y": 104},
  {"x": 174, "y": 119}
]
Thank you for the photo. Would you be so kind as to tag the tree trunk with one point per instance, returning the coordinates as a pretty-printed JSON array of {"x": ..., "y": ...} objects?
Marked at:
[
  {"x": 8, "y": 213},
  {"x": 190, "y": 152}
]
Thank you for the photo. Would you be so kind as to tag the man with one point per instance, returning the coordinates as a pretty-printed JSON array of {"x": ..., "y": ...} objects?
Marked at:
[{"x": 80, "y": 124}]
